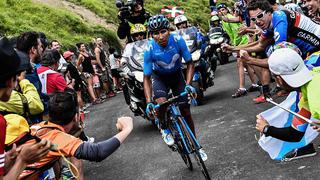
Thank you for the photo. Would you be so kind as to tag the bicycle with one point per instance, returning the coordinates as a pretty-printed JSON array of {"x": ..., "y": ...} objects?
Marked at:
[{"x": 185, "y": 141}]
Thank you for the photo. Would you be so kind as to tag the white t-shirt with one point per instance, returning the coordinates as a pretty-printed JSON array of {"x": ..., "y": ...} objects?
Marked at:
[{"x": 113, "y": 62}]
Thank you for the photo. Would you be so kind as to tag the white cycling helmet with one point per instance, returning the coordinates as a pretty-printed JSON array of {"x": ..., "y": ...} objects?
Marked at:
[{"x": 180, "y": 19}]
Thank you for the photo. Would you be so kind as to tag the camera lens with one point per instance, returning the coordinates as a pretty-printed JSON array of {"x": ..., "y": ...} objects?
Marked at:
[{"x": 119, "y": 3}]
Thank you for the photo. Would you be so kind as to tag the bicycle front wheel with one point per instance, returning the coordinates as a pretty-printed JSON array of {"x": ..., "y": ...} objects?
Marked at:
[
  {"x": 193, "y": 146},
  {"x": 181, "y": 150}
]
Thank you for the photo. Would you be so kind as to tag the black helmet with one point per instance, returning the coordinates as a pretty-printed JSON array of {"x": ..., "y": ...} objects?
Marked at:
[
  {"x": 116, "y": 55},
  {"x": 158, "y": 22}
]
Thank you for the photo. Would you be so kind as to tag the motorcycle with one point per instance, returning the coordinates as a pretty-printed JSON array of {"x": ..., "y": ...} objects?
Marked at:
[
  {"x": 132, "y": 81},
  {"x": 203, "y": 74},
  {"x": 214, "y": 51}
]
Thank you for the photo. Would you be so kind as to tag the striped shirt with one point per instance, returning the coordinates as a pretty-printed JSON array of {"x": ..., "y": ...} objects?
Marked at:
[{"x": 2, "y": 140}]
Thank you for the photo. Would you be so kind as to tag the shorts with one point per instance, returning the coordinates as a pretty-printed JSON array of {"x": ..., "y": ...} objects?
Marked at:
[
  {"x": 161, "y": 85},
  {"x": 104, "y": 76},
  {"x": 115, "y": 73},
  {"x": 96, "y": 81}
]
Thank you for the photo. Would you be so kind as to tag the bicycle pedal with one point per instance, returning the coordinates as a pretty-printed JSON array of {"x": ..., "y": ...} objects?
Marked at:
[{"x": 174, "y": 147}]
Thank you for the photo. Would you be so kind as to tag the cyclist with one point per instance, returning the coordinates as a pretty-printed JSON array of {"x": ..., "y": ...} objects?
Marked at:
[{"x": 162, "y": 63}]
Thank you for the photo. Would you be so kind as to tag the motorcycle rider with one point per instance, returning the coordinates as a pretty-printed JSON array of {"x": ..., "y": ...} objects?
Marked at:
[
  {"x": 181, "y": 22},
  {"x": 137, "y": 14},
  {"x": 162, "y": 63}
]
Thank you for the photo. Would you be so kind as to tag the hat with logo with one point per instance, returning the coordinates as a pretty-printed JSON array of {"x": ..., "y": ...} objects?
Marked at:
[
  {"x": 9, "y": 60},
  {"x": 67, "y": 54},
  {"x": 17, "y": 127},
  {"x": 289, "y": 65}
]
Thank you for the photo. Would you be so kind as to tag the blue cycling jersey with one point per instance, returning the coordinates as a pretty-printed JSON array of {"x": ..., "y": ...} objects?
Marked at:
[
  {"x": 295, "y": 28},
  {"x": 165, "y": 60}
]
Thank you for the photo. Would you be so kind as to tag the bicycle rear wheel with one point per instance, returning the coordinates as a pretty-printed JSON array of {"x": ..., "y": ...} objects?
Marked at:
[
  {"x": 181, "y": 150},
  {"x": 193, "y": 146}
]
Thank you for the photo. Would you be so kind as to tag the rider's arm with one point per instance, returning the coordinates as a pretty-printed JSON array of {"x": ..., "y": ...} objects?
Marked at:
[
  {"x": 97, "y": 53},
  {"x": 190, "y": 71},
  {"x": 295, "y": 132},
  {"x": 147, "y": 71}
]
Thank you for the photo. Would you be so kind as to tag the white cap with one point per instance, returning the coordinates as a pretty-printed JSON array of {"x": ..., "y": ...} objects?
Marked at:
[
  {"x": 289, "y": 65},
  {"x": 287, "y": 1}
]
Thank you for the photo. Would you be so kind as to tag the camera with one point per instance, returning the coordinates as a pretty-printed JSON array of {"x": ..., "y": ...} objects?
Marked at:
[{"x": 128, "y": 5}]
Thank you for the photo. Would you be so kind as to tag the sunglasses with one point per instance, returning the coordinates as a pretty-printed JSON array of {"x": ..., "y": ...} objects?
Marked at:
[
  {"x": 138, "y": 34},
  {"x": 259, "y": 16},
  {"x": 163, "y": 31}
]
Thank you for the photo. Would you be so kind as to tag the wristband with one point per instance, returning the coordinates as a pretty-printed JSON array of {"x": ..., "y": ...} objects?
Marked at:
[{"x": 265, "y": 129}]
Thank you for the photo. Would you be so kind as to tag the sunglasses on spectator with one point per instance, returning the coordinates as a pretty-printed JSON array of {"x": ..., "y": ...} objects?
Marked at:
[
  {"x": 138, "y": 34},
  {"x": 163, "y": 31},
  {"x": 259, "y": 16}
]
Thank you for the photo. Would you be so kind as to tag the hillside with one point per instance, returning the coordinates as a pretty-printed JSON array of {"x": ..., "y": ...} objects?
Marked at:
[
  {"x": 196, "y": 10},
  {"x": 73, "y": 21},
  {"x": 17, "y": 16}
]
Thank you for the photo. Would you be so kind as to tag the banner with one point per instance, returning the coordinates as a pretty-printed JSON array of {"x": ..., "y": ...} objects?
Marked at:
[{"x": 172, "y": 11}]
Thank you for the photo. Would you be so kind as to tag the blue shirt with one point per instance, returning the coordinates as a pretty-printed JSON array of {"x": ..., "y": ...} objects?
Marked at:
[
  {"x": 165, "y": 60},
  {"x": 295, "y": 28}
]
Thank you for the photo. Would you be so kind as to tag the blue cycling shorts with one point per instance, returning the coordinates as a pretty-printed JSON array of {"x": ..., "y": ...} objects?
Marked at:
[{"x": 162, "y": 84}]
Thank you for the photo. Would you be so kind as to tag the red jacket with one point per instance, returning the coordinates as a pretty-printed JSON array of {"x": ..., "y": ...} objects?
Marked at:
[{"x": 55, "y": 81}]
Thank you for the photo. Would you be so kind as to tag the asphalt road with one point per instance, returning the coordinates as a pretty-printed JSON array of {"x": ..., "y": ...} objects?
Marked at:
[{"x": 224, "y": 126}]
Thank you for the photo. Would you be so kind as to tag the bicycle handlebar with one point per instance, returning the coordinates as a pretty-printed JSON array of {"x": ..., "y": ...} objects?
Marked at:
[{"x": 171, "y": 100}]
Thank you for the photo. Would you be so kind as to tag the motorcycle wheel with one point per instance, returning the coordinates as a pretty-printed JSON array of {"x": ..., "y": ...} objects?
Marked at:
[
  {"x": 213, "y": 62},
  {"x": 200, "y": 95},
  {"x": 126, "y": 94}
]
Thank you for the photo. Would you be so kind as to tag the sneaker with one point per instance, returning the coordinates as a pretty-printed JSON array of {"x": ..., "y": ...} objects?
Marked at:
[
  {"x": 203, "y": 155},
  {"x": 239, "y": 93},
  {"x": 253, "y": 88},
  {"x": 306, "y": 151},
  {"x": 259, "y": 99},
  {"x": 111, "y": 94},
  {"x": 167, "y": 137}
]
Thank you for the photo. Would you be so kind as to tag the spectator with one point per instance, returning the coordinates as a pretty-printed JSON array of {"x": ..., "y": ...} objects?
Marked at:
[
  {"x": 313, "y": 9},
  {"x": 51, "y": 80},
  {"x": 87, "y": 69},
  {"x": 63, "y": 117},
  {"x": 12, "y": 163},
  {"x": 292, "y": 74},
  {"x": 101, "y": 62},
  {"x": 73, "y": 73},
  {"x": 115, "y": 64},
  {"x": 134, "y": 15},
  {"x": 62, "y": 62},
  {"x": 24, "y": 100}
]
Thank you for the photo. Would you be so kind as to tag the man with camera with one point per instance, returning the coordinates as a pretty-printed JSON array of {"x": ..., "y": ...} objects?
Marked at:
[{"x": 131, "y": 12}]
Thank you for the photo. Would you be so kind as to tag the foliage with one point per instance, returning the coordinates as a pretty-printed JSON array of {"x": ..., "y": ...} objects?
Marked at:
[
  {"x": 17, "y": 16},
  {"x": 197, "y": 11}
]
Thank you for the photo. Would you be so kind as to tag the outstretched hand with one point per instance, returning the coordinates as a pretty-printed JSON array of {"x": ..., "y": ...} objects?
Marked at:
[
  {"x": 124, "y": 123},
  {"x": 261, "y": 123}
]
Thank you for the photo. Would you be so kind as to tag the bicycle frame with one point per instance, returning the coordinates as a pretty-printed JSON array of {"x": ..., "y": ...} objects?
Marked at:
[{"x": 175, "y": 114}]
